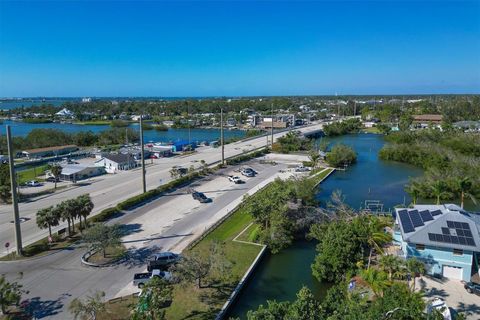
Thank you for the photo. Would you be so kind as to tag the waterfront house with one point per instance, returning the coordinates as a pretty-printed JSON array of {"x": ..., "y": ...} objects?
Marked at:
[
  {"x": 65, "y": 113},
  {"x": 445, "y": 237},
  {"x": 115, "y": 162}
]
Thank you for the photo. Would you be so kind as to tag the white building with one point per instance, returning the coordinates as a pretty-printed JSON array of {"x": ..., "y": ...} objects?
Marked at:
[
  {"x": 115, "y": 162},
  {"x": 65, "y": 113}
]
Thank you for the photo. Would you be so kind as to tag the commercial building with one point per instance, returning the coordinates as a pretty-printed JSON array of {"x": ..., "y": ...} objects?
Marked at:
[
  {"x": 75, "y": 172},
  {"x": 116, "y": 162},
  {"x": 426, "y": 120},
  {"x": 49, "y": 151},
  {"x": 445, "y": 237}
]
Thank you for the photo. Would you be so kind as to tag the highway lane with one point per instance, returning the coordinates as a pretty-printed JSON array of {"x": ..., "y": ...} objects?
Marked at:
[
  {"x": 108, "y": 190},
  {"x": 54, "y": 280}
]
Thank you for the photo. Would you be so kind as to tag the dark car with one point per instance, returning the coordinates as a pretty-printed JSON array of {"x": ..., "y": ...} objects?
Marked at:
[
  {"x": 52, "y": 179},
  {"x": 201, "y": 197},
  {"x": 472, "y": 288},
  {"x": 162, "y": 260}
]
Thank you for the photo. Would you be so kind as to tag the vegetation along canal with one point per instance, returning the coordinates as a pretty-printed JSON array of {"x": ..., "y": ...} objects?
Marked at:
[{"x": 280, "y": 276}]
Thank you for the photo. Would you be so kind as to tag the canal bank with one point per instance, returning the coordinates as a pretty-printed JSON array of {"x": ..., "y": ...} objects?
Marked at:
[{"x": 280, "y": 276}]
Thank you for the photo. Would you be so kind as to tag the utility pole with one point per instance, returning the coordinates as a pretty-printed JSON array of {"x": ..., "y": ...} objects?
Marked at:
[
  {"x": 272, "y": 128},
  {"x": 13, "y": 189},
  {"x": 221, "y": 136},
  {"x": 144, "y": 183}
]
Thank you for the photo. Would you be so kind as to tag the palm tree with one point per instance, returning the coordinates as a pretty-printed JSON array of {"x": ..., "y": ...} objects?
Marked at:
[
  {"x": 46, "y": 218},
  {"x": 56, "y": 172},
  {"x": 376, "y": 280},
  {"x": 314, "y": 157},
  {"x": 465, "y": 186},
  {"x": 414, "y": 267},
  {"x": 376, "y": 236},
  {"x": 438, "y": 189},
  {"x": 85, "y": 207},
  {"x": 391, "y": 264},
  {"x": 413, "y": 189},
  {"x": 89, "y": 308}
]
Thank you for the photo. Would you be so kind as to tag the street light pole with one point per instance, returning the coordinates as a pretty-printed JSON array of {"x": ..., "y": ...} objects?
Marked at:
[
  {"x": 13, "y": 189},
  {"x": 272, "y": 127},
  {"x": 221, "y": 136},
  {"x": 144, "y": 183}
]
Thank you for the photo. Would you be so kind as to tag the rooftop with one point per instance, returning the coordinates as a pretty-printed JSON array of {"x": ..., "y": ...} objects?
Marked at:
[{"x": 446, "y": 226}]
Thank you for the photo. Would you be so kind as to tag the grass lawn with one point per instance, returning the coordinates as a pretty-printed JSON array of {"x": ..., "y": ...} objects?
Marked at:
[
  {"x": 31, "y": 174},
  {"x": 371, "y": 130},
  {"x": 111, "y": 254},
  {"x": 41, "y": 248},
  {"x": 189, "y": 302}
]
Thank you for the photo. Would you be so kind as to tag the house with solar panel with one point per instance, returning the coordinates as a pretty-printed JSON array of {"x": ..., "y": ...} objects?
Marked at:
[{"x": 445, "y": 237}]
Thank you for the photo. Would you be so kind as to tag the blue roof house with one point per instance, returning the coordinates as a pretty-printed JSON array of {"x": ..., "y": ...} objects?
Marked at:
[{"x": 445, "y": 237}]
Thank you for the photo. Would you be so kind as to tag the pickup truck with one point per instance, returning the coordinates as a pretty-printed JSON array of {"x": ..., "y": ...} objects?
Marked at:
[
  {"x": 235, "y": 179},
  {"x": 141, "y": 279},
  {"x": 162, "y": 260}
]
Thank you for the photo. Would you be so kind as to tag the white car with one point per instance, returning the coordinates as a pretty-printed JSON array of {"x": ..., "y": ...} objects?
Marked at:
[
  {"x": 235, "y": 179},
  {"x": 440, "y": 306},
  {"x": 33, "y": 183}
]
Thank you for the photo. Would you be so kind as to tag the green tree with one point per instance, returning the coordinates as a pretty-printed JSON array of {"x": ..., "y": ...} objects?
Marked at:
[
  {"x": 314, "y": 158},
  {"x": 193, "y": 267},
  {"x": 465, "y": 186},
  {"x": 390, "y": 264},
  {"x": 10, "y": 294},
  {"x": 376, "y": 236},
  {"x": 305, "y": 307},
  {"x": 101, "y": 236},
  {"x": 272, "y": 311},
  {"x": 341, "y": 155},
  {"x": 413, "y": 189},
  {"x": 5, "y": 194},
  {"x": 89, "y": 308},
  {"x": 47, "y": 218},
  {"x": 56, "y": 172},
  {"x": 439, "y": 190},
  {"x": 415, "y": 267},
  {"x": 155, "y": 296},
  {"x": 85, "y": 207},
  {"x": 376, "y": 280}
]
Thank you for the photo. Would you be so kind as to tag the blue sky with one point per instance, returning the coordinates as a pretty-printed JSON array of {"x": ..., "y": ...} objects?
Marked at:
[{"x": 156, "y": 48}]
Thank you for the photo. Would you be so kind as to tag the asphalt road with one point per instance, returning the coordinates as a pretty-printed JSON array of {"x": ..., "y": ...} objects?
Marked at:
[
  {"x": 108, "y": 190},
  {"x": 54, "y": 280}
]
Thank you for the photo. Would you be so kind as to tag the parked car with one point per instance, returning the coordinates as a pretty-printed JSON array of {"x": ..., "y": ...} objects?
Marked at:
[
  {"x": 235, "y": 179},
  {"x": 472, "y": 288},
  {"x": 201, "y": 197},
  {"x": 302, "y": 169},
  {"x": 439, "y": 305},
  {"x": 33, "y": 183},
  {"x": 248, "y": 172},
  {"x": 141, "y": 279},
  {"x": 162, "y": 260},
  {"x": 52, "y": 179}
]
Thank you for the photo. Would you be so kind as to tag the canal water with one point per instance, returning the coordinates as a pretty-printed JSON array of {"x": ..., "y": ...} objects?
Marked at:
[
  {"x": 279, "y": 277},
  {"x": 19, "y": 128}
]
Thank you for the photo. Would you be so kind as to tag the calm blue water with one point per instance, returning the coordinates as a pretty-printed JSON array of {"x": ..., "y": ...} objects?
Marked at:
[
  {"x": 22, "y": 129},
  {"x": 280, "y": 276},
  {"x": 6, "y": 105}
]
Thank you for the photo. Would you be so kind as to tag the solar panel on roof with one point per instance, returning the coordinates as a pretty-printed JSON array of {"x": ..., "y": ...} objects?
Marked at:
[
  {"x": 460, "y": 232},
  {"x": 462, "y": 240},
  {"x": 436, "y": 212},
  {"x": 465, "y": 226},
  {"x": 450, "y": 224},
  {"x": 431, "y": 237},
  {"x": 457, "y": 224},
  {"x": 425, "y": 215},
  {"x": 415, "y": 217},
  {"x": 445, "y": 231},
  {"x": 405, "y": 221},
  {"x": 447, "y": 238},
  {"x": 467, "y": 233},
  {"x": 454, "y": 240},
  {"x": 470, "y": 242}
]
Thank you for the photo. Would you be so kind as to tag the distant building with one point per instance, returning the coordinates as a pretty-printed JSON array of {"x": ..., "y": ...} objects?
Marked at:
[
  {"x": 470, "y": 126},
  {"x": 116, "y": 162},
  {"x": 267, "y": 124},
  {"x": 231, "y": 122},
  {"x": 426, "y": 120},
  {"x": 86, "y": 100},
  {"x": 65, "y": 113},
  {"x": 49, "y": 151},
  {"x": 445, "y": 237}
]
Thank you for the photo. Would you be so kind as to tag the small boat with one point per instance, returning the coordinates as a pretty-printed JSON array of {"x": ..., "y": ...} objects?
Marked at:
[{"x": 441, "y": 306}]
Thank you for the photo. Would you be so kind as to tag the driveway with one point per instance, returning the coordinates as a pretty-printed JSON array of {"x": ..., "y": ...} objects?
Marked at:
[{"x": 454, "y": 294}]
